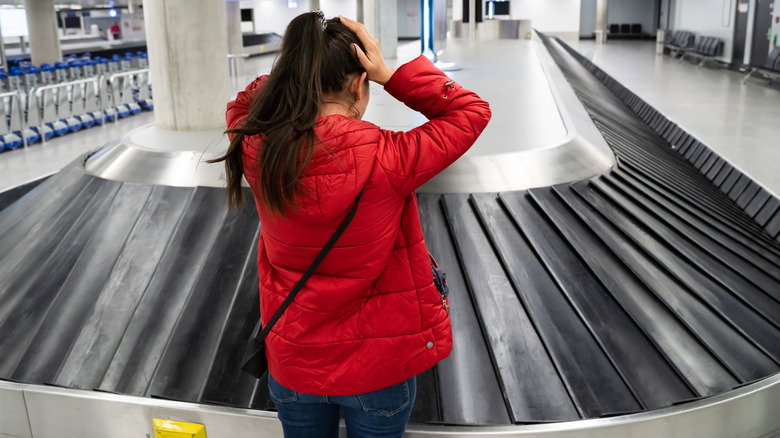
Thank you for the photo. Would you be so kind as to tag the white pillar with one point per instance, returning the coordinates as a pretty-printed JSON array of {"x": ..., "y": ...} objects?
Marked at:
[
  {"x": 235, "y": 39},
  {"x": 359, "y": 11},
  {"x": 187, "y": 45},
  {"x": 42, "y": 26},
  {"x": 381, "y": 19},
  {"x": 601, "y": 21},
  {"x": 132, "y": 7},
  {"x": 472, "y": 21}
]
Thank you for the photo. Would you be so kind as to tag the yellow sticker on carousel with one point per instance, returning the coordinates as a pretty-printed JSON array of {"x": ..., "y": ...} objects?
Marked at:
[{"x": 178, "y": 429}]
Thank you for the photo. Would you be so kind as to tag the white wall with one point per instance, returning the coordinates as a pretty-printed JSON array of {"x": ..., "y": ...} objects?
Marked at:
[
  {"x": 588, "y": 18},
  {"x": 457, "y": 10},
  {"x": 713, "y": 18},
  {"x": 634, "y": 11},
  {"x": 274, "y": 15},
  {"x": 409, "y": 18},
  {"x": 332, "y": 8},
  {"x": 561, "y": 17},
  {"x": 643, "y": 12}
]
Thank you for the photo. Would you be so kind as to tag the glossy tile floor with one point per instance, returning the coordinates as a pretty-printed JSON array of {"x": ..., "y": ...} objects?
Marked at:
[{"x": 739, "y": 122}]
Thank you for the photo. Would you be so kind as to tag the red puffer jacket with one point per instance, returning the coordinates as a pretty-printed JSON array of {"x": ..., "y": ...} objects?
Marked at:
[{"x": 370, "y": 317}]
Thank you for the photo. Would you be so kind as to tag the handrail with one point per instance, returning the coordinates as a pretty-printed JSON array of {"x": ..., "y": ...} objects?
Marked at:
[
  {"x": 233, "y": 64},
  {"x": 39, "y": 90},
  {"x": 18, "y": 95},
  {"x": 115, "y": 76}
]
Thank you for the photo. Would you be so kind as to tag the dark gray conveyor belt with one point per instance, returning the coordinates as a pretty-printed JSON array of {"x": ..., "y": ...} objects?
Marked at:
[{"x": 654, "y": 284}]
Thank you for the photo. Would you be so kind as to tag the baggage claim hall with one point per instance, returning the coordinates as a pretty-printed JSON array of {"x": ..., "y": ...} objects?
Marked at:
[{"x": 611, "y": 241}]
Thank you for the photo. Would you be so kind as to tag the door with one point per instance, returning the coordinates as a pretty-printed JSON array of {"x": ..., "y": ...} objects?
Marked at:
[
  {"x": 740, "y": 33},
  {"x": 760, "y": 48}
]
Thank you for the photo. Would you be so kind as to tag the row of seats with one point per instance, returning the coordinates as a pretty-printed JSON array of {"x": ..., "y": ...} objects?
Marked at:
[
  {"x": 771, "y": 68},
  {"x": 685, "y": 43},
  {"x": 39, "y": 102},
  {"x": 630, "y": 30}
]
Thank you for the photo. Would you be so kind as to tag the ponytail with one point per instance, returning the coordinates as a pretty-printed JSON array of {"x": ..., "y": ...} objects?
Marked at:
[{"x": 315, "y": 58}]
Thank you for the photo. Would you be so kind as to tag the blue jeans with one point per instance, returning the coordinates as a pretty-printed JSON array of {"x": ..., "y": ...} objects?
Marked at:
[{"x": 377, "y": 414}]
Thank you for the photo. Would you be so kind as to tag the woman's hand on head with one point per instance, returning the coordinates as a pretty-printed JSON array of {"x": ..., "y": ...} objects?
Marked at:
[{"x": 372, "y": 60}]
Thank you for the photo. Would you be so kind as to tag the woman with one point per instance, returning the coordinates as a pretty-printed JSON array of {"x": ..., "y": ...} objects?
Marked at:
[{"x": 370, "y": 319}]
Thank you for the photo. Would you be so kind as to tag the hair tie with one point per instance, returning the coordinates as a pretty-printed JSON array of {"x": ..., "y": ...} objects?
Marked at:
[{"x": 323, "y": 21}]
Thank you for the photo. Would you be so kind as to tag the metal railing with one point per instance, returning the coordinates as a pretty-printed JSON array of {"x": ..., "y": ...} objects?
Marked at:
[
  {"x": 39, "y": 94},
  {"x": 233, "y": 62},
  {"x": 17, "y": 106},
  {"x": 115, "y": 90}
]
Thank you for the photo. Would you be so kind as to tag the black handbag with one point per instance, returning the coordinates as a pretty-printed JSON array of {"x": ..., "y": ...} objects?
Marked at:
[
  {"x": 440, "y": 281},
  {"x": 255, "y": 362}
]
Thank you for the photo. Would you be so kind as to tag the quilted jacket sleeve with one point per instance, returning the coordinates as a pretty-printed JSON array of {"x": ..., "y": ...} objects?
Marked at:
[
  {"x": 238, "y": 109},
  {"x": 456, "y": 117}
]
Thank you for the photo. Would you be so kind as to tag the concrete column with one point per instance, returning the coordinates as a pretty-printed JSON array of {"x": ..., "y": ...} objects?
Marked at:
[
  {"x": 132, "y": 7},
  {"x": 381, "y": 19},
  {"x": 472, "y": 21},
  {"x": 359, "y": 11},
  {"x": 235, "y": 40},
  {"x": 42, "y": 26},
  {"x": 601, "y": 21},
  {"x": 187, "y": 45}
]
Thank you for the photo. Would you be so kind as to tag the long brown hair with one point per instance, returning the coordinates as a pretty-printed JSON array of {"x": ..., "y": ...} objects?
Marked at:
[{"x": 315, "y": 58}]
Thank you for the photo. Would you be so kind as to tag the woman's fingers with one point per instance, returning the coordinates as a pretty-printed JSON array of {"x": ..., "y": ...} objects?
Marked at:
[
  {"x": 353, "y": 25},
  {"x": 364, "y": 61},
  {"x": 372, "y": 59}
]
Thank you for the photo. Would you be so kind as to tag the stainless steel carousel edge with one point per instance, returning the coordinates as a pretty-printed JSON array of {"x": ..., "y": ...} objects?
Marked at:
[{"x": 40, "y": 411}]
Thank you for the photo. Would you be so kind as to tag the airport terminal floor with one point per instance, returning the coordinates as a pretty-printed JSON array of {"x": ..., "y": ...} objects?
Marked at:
[{"x": 611, "y": 243}]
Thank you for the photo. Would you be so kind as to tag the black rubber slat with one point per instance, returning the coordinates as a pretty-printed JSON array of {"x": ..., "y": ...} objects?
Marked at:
[
  {"x": 92, "y": 351},
  {"x": 736, "y": 221},
  {"x": 183, "y": 369},
  {"x": 225, "y": 385},
  {"x": 594, "y": 384},
  {"x": 27, "y": 246},
  {"x": 146, "y": 337},
  {"x": 724, "y": 173},
  {"x": 427, "y": 408},
  {"x": 739, "y": 186},
  {"x": 532, "y": 388},
  {"x": 720, "y": 269},
  {"x": 47, "y": 272},
  {"x": 639, "y": 363},
  {"x": 757, "y": 202},
  {"x": 10, "y": 196},
  {"x": 701, "y": 159},
  {"x": 716, "y": 168},
  {"x": 675, "y": 274},
  {"x": 694, "y": 364},
  {"x": 773, "y": 225},
  {"x": 468, "y": 369},
  {"x": 744, "y": 199},
  {"x": 665, "y": 209},
  {"x": 80, "y": 290},
  {"x": 767, "y": 211},
  {"x": 34, "y": 214}
]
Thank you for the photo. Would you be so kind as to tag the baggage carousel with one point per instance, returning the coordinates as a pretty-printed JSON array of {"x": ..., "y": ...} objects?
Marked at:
[{"x": 631, "y": 290}]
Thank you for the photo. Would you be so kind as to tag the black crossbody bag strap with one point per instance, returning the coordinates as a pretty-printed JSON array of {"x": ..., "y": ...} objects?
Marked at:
[{"x": 299, "y": 285}]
